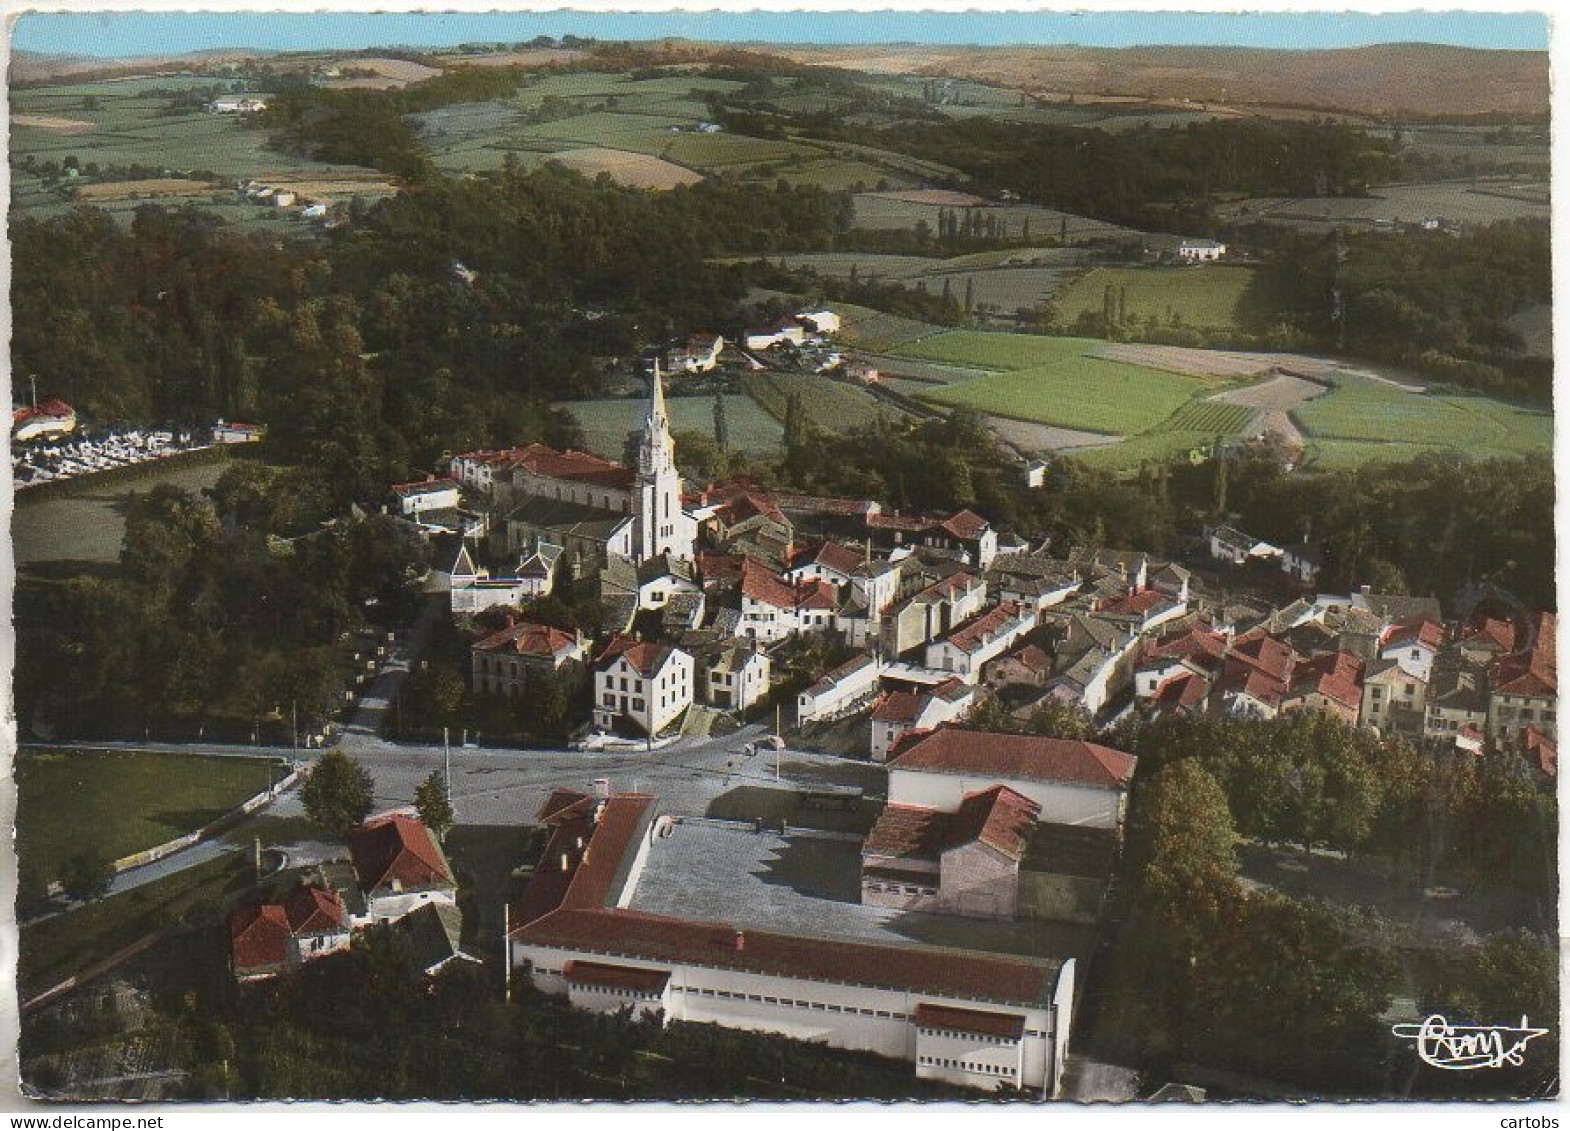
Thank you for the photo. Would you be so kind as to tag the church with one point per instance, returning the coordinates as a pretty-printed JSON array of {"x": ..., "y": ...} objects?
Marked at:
[{"x": 596, "y": 510}]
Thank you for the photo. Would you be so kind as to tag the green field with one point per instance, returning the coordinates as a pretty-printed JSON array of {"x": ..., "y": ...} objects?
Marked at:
[
  {"x": 881, "y": 212},
  {"x": 1204, "y": 296},
  {"x": 131, "y": 123},
  {"x": 116, "y": 803},
  {"x": 1051, "y": 381},
  {"x": 1357, "y": 422},
  {"x": 828, "y": 404},
  {"x": 606, "y": 423}
]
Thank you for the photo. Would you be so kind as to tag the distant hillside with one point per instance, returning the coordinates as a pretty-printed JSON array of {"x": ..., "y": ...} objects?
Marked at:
[
  {"x": 1397, "y": 80},
  {"x": 31, "y": 66}
]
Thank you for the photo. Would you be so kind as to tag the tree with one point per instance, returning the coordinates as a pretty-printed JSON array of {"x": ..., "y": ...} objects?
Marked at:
[
  {"x": 430, "y": 801},
  {"x": 87, "y": 875},
  {"x": 337, "y": 793},
  {"x": 721, "y": 428}
]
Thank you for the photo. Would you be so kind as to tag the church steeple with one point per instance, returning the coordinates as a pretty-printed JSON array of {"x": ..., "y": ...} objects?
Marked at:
[
  {"x": 657, "y": 453},
  {"x": 663, "y": 528}
]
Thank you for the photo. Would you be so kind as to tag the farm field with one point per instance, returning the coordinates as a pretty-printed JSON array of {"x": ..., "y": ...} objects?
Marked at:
[
  {"x": 1455, "y": 202},
  {"x": 87, "y": 524},
  {"x": 1053, "y": 381},
  {"x": 115, "y": 803},
  {"x": 884, "y": 211},
  {"x": 125, "y": 123},
  {"x": 874, "y": 331},
  {"x": 828, "y": 404},
  {"x": 1378, "y": 415},
  {"x": 1204, "y": 296},
  {"x": 606, "y": 423},
  {"x": 1006, "y": 282},
  {"x": 635, "y": 170}
]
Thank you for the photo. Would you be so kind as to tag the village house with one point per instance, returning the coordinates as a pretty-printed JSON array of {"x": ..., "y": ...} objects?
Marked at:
[
  {"x": 966, "y": 649},
  {"x": 1302, "y": 562},
  {"x": 699, "y": 354},
  {"x": 1033, "y": 580},
  {"x": 1025, "y": 666},
  {"x": 772, "y": 608},
  {"x": 872, "y": 589},
  {"x": 1524, "y": 689},
  {"x": 934, "y": 599},
  {"x": 505, "y": 662},
  {"x": 1228, "y": 544},
  {"x": 49, "y": 417},
  {"x": 837, "y": 692},
  {"x": 399, "y": 866},
  {"x": 1394, "y": 700},
  {"x": 1486, "y": 640},
  {"x": 639, "y": 685},
  {"x": 965, "y": 535},
  {"x": 1331, "y": 683},
  {"x": 1092, "y": 660},
  {"x": 781, "y": 332},
  {"x": 268, "y": 939},
  {"x": 238, "y": 432},
  {"x": 960, "y": 1016},
  {"x": 1131, "y": 571},
  {"x": 1457, "y": 700},
  {"x": 428, "y": 938},
  {"x": 900, "y": 712},
  {"x": 820, "y": 321},
  {"x": 738, "y": 678},
  {"x": 826, "y": 560},
  {"x": 1413, "y": 644}
]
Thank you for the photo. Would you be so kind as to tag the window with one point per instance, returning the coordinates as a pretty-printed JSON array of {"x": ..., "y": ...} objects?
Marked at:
[
  {"x": 637, "y": 704},
  {"x": 610, "y": 699}
]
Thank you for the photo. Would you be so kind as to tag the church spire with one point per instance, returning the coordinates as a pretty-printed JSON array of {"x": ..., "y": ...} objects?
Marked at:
[{"x": 657, "y": 452}]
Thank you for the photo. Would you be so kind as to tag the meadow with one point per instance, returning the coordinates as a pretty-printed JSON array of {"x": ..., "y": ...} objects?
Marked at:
[
  {"x": 1460, "y": 202},
  {"x": 888, "y": 211},
  {"x": 1204, "y": 296},
  {"x": 1053, "y": 381},
  {"x": 606, "y": 423},
  {"x": 1378, "y": 418},
  {"x": 111, "y": 804}
]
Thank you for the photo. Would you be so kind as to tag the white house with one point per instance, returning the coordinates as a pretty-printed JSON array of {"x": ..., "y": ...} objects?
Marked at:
[
  {"x": 238, "y": 104},
  {"x": 50, "y": 417},
  {"x": 1413, "y": 644},
  {"x": 643, "y": 683},
  {"x": 786, "y": 330},
  {"x": 772, "y": 608},
  {"x": 844, "y": 687},
  {"x": 1200, "y": 251},
  {"x": 235, "y": 432},
  {"x": 1074, "y": 782},
  {"x": 1228, "y": 544},
  {"x": 967, "y": 1017},
  {"x": 738, "y": 678},
  {"x": 1394, "y": 700},
  {"x": 504, "y": 662},
  {"x": 429, "y": 494},
  {"x": 699, "y": 354},
  {"x": 978, "y": 641},
  {"x": 900, "y": 712}
]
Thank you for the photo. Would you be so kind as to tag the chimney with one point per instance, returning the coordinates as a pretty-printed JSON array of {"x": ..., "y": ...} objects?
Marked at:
[
  {"x": 566, "y": 865},
  {"x": 741, "y": 940}
]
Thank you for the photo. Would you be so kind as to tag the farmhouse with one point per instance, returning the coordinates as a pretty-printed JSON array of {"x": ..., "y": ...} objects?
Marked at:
[
  {"x": 970, "y": 1018},
  {"x": 900, "y": 712},
  {"x": 1200, "y": 251},
  {"x": 269, "y": 939},
  {"x": 700, "y": 353},
  {"x": 429, "y": 494},
  {"x": 738, "y": 678}
]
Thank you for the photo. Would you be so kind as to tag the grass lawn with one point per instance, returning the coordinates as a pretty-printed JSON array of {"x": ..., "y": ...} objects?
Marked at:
[
  {"x": 54, "y": 949},
  {"x": 1052, "y": 381},
  {"x": 1384, "y": 420},
  {"x": 1204, "y": 296},
  {"x": 606, "y": 422},
  {"x": 120, "y": 802}
]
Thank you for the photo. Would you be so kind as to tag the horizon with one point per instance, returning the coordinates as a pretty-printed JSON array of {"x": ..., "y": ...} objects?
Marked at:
[{"x": 142, "y": 34}]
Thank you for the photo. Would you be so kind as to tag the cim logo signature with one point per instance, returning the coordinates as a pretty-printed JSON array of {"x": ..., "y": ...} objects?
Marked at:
[{"x": 1461, "y": 1048}]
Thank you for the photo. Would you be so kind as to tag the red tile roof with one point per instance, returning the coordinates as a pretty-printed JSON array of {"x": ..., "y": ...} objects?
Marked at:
[
  {"x": 1009, "y": 1026},
  {"x": 1182, "y": 693},
  {"x": 527, "y": 638},
  {"x": 50, "y": 407},
  {"x": 837, "y": 556},
  {"x": 1027, "y": 757},
  {"x": 1199, "y": 643},
  {"x": 591, "y": 870},
  {"x": 984, "y": 628},
  {"x": 1032, "y": 657},
  {"x": 1543, "y": 749},
  {"x": 1140, "y": 604},
  {"x": 1335, "y": 675},
  {"x": 1243, "y": 679},
  {"x": 580, "y": 467},
  {"x": 897, "y": 707},
  {"x": 1264, "y": 653},
  {"x": 998, "y": 818},
  {"x": 907, "y": 830},
  {"x": 763, "y": 585},
  {"x": 397, "y": 847},
  {"x": 912, "y": 969},
  {"x": 605, "y": 974},
  {"x": 563, "y": 805},
  {"x": 647, "y": 657},
  {"x": 714, "y": 567},
  {"x": 820, "y": 504},
  {"x": 1496, "y": 634},
  {"x": 258, "y": 937},
  {"x": 425, "y": 486},
  {"x": 967, "y": 525},
  {"x": 310, "y": 909},
  {"x": 1414, "y": 630}
]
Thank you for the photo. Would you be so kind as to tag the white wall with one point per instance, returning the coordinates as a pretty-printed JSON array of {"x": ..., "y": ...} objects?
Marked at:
[{"x": 1060, "y": 802}]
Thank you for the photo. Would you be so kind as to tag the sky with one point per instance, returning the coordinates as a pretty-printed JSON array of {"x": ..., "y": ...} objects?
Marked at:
[{"x": 127, "y": 34}]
